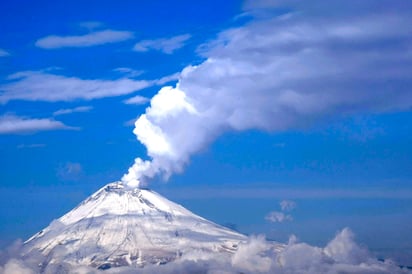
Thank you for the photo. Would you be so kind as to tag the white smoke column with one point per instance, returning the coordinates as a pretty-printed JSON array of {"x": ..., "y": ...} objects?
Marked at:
[
  {"x": 275, "y": 75},
  {"x": 159, "y": 131}
]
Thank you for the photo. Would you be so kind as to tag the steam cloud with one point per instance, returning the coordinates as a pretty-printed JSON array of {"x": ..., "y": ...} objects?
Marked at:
[{"x": 277, "y": 74}]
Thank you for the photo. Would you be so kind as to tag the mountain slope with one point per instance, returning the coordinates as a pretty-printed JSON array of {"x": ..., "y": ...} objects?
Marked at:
[{"x": 119, "y": 226}]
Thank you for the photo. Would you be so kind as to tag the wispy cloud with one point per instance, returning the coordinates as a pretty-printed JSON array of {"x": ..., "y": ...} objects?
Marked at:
[
  {"x": 168, "y": 78},
  {"x": 43, "y": 86},
  {"x": 11, "y": 124},
  {"x": 72, "y": 110},
  {"x": 281, "y": 216},
  {"x": 165, "y": 45},
  {"x": 86, "y": 40},
  {"x": 4, "y": 53},
  {"x": 137, "y": 100},
  {"x": 269, "y": 192},
  {"x": 21, "y": 146},
  {"x": 130, "y": 123},
  {"x": 129, "y": 72},
  {"x": 278, "y": 217},
  {"x": 287, "y": 205}
]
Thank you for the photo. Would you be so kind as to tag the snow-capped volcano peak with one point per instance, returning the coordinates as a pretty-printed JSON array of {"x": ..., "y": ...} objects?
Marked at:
[
  {"x": 118, "y": 199},
  {"x": 119, "y": 225}
]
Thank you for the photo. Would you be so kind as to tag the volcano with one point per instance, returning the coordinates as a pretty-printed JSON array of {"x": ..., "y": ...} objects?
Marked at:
[{"x": 123, "y": 226}]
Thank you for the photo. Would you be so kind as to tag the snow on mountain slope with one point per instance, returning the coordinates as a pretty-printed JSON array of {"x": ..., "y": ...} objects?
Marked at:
[{"x": 119, "y": 226}]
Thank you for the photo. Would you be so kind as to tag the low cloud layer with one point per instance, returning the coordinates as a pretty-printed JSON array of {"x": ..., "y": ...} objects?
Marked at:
[
  {"x": 340, "y": 255},
  {"x": 86, "y": 40},
  {"x": 277, "y": 74}
]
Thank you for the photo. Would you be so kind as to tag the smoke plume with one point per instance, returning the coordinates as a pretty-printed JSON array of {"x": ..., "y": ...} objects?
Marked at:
[{"x": 276, "y": 74}]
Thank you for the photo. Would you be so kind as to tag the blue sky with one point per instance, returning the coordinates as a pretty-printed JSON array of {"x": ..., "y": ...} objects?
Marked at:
[{"x": 318, "y": 95}]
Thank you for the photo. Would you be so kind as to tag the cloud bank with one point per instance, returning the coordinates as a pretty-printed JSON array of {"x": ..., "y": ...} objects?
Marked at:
[
  {"x": 340, "y": 255},
  {"x": 86, "y": 40},
  {"x": 277, "y": 74}
]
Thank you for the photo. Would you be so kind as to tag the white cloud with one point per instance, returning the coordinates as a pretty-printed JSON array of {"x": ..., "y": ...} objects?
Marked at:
[
  {"x": 11, "y": 124},
  {"x": 72, "y": 110},
  {"x": 4, "y": 53},
  {"x": 278, "y": 74},
  {"x": 348, "y": 258},
  {"x": 287, "y": 205},
  {"x": 341, "y": 255},
  {"x": 249, "y": 256},
  {"x": 137, "y": 100},
  {"x": 278, "y": 217},
  {"x": 128, "y": 72},
  {"x": 14, "y": 266},
  {"x": 238, "y": 192},
  {"x": 344, "y": 249},
  {"x": 281, "y": 216},
  {"x": 335, "y": 7},
  {"x": 86, "y": 40},
  {"x": 168, "y": 78},
  {"x": 165, "y": 45},
  {"x": 43, "y": 86}
]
